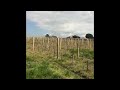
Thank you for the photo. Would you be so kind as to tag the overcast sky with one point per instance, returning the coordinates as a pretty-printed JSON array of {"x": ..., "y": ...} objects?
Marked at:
[{"x": 60, "y": 23}]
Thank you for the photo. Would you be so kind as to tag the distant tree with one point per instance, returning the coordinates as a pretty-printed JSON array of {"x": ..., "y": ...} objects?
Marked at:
[
  {"x": 75, "y": 36},
  {"x": 68, "y": 37},
  {"x": 89, "y": 36},
  {"x": 54, "y": 36},
  {"x": 47, "y": 35}
]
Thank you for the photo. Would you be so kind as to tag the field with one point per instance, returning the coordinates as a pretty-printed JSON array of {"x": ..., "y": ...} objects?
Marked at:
[{"x": 58, "y": 58}]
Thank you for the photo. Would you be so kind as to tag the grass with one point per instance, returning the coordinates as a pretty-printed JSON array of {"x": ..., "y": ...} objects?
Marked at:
[{"x": 41, "y": 66}]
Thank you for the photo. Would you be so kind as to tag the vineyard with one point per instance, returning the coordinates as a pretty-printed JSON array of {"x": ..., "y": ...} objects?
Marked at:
[{"x": 59, "y": 58}]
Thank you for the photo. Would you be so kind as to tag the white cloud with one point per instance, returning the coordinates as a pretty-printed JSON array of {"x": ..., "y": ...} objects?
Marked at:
[{"x": 64, "y": 23}]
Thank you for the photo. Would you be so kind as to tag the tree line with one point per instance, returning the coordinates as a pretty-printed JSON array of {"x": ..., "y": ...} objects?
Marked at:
[{"x": 89, "y": 36}]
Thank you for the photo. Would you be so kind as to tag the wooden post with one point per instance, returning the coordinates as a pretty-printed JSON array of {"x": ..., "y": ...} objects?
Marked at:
[
  {"x": 54, "y": 52},
  {"x": 90, "y": 43},
  {"x": 53, "y": 47},
  {"x": 48, "y": 49},
  {"x": 65, "y": 46},
  {"x": 93, "y": 44},
  {"x": 57, "y": 48},
  {"x": 60, "y": 48},
  {"x": 60, "y": 42},
  {"x": 66, "y": 43},
  {"x": 43, "y": 44},
  {"x": 78, "y": 47},
  {"x": 33, "y": 43},
  {"x": 48, "y": 43},
  {"x": 82, "y": 44}
]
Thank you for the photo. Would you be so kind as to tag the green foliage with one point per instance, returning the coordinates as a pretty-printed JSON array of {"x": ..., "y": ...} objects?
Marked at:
[
  {"x": 72, "y": 51},
  {"x": 38, "y": 67},
  {"x": 90, "y": 36},
  {"x": 47, "y": 35},
  {"x": 87, "y": 53}
]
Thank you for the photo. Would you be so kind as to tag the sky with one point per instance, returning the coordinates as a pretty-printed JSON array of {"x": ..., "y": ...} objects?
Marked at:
[{"x": 59, "y": 23}]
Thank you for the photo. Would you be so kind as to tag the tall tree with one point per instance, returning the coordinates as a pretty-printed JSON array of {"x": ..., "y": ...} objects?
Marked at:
[
  {"x": 47, "y": 35},
  {"x": 89, "y": 36}
]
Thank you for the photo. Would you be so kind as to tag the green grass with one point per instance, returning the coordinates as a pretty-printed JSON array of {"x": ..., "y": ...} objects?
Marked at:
[{"x": 41, "y": 66}]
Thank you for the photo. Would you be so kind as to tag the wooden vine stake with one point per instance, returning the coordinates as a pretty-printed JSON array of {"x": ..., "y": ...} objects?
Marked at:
[
  {"x": 61, "y": 48},
  {"x": 57, "y": 48},
  {"x": 78, "y": 47}
]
